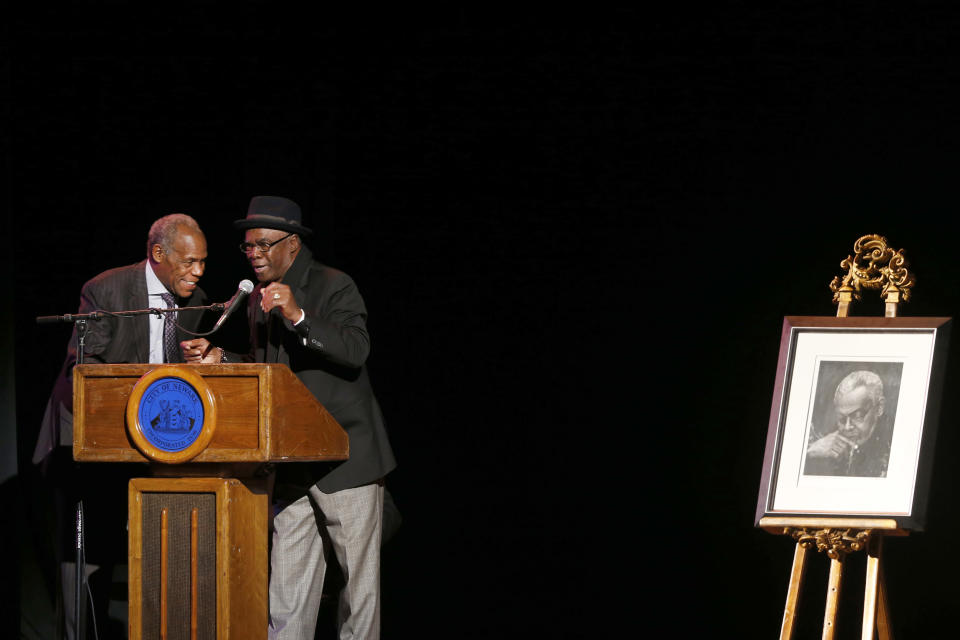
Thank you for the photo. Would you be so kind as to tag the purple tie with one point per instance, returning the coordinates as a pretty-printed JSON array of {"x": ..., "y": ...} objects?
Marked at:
[{"x": 169, "y": 331}]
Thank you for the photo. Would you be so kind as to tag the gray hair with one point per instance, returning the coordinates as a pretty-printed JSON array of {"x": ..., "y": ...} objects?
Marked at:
[
  {"x": 164, "y": 230},
  {"x": 867, "y": 379}
]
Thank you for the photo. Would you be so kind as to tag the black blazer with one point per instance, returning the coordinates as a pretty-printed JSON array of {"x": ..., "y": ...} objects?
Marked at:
[
  {"x": 327, "y": 352},
  {"x": 110, "y": 340}
]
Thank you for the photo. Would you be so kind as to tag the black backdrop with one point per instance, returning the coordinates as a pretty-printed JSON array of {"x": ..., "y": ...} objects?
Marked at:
[{"x": 576, "y": 236}]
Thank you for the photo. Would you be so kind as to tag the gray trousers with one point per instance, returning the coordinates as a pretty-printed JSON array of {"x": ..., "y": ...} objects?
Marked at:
[{"x": 348, "y": 522}]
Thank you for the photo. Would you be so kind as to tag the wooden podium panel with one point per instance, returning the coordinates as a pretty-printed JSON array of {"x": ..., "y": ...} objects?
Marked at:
[
  {"x": 198, "y": 559},
  {"x": 264, "y": 414},
  {"x": 198, "y": 555}
]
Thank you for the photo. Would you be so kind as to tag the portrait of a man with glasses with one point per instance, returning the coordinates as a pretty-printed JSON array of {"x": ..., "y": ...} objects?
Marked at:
[{"x": 855, "y": 419}]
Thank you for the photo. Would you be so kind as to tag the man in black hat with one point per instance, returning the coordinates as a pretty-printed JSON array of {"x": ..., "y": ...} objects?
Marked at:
[{"x": 312, "y": 318}]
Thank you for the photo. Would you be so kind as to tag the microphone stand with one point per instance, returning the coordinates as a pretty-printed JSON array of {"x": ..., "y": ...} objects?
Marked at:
[
  {"x": 80, "y": 319},
  {"x": 80, "y": 580}
]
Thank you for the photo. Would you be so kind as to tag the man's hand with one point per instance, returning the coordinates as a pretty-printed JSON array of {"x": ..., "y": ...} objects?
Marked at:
[
  {"x": 279, "y": 295},
  {"x": 833, "y": 446},
  {"x": 200, "y": 351}
]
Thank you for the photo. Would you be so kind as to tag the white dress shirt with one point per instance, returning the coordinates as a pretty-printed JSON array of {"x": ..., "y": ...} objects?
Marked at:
[{"x": 154, "y": 290}]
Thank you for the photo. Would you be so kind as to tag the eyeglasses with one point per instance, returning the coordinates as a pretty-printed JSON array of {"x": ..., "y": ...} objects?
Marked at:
[
  {"x": 262, "y": 245},
  {"x": 856, "y": 418}
]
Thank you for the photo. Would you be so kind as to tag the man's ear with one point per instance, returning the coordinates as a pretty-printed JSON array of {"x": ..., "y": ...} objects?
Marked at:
[{"x": 156, "y": 253}]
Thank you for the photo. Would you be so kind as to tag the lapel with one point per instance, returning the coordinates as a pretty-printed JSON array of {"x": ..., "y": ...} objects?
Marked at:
[
  {"x": 139, "y": 300},
  {"x": 273, "y": 337},
  {"x": 299, "y": 275},
  {"x": 257, "y": 323},
  {"x": 189, "y": 320},
  {"x": 296, "y": 278},
  {"x": 300, "y": 289}
]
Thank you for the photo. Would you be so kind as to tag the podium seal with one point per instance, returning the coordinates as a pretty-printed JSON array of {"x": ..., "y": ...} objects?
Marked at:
[{"x": 170, "y": 414}]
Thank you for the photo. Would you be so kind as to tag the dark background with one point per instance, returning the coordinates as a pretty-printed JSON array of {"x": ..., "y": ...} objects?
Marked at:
[{"x": 577, "y": 235}]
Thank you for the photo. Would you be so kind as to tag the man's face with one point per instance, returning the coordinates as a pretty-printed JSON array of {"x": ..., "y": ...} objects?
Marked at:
[
  {"x": 272, "y": 264},
  {"x": 180, "y": 268},
  {"x": 856, "y": 414}
]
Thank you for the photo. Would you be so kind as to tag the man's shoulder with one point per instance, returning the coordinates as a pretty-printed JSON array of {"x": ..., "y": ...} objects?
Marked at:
[
  {"x": 318, "y": 271},
  {"x": 117, "y": 273}
]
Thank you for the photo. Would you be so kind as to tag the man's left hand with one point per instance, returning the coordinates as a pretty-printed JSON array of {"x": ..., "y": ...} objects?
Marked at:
[
  {"x": 200, "y": 351},
  {"x": 276, "y": 295}
]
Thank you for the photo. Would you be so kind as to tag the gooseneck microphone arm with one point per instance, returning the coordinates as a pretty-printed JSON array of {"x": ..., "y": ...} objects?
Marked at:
[
  {"x": 100, "y": 314},
  {"x": 80, "y": 320}
]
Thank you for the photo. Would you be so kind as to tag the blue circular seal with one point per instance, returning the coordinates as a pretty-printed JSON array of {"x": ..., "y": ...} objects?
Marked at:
[{"x": 170, "y": 414}]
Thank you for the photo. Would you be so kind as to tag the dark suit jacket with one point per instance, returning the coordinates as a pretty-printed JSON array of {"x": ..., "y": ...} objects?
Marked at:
[
  {"x": 109, "y": 340},
  {"x": 330, "y": 365}
]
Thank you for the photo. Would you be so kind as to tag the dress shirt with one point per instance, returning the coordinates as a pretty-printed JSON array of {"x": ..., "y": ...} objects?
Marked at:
[{"x": 154, "y": 290}]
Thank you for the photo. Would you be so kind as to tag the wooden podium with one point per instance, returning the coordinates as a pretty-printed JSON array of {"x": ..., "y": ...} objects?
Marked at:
[{"x": 197, "y": 554}]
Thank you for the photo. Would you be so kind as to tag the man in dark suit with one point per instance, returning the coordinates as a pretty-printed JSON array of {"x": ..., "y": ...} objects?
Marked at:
[
  {"x": 169, "y": 276},
  {"x": 312, "y": 318},
  {"x": 176, "y": 259}
]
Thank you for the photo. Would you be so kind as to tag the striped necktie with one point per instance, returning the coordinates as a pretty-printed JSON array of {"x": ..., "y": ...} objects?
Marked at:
[{"x": 170, "y": 347}]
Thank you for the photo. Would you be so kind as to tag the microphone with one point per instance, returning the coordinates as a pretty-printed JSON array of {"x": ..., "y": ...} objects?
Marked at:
[{"x": 243, "y": 290}]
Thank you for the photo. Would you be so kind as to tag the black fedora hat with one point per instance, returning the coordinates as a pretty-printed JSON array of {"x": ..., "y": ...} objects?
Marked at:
[{"x": 273, "y": 212}]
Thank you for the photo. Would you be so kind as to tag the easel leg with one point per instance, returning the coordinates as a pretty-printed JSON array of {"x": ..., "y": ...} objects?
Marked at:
[
  {"x": 793, "y": 593},
  {"x": 875, "y": 613},
  {"x": 874, "y": 548},
  {"x": 833, "y": 598},
  {"x": 884, "y": 628}
]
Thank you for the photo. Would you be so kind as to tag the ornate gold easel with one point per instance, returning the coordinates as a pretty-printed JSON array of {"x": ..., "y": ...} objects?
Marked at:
[{"x": 873, "y": 266}]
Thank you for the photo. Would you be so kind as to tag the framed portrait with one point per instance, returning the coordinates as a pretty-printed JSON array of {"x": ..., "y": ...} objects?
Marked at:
[{"x": 854, "y": 418}]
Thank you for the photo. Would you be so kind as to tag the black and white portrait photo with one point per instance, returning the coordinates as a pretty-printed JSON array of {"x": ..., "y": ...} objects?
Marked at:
[{"x": 855, "y": 404}]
